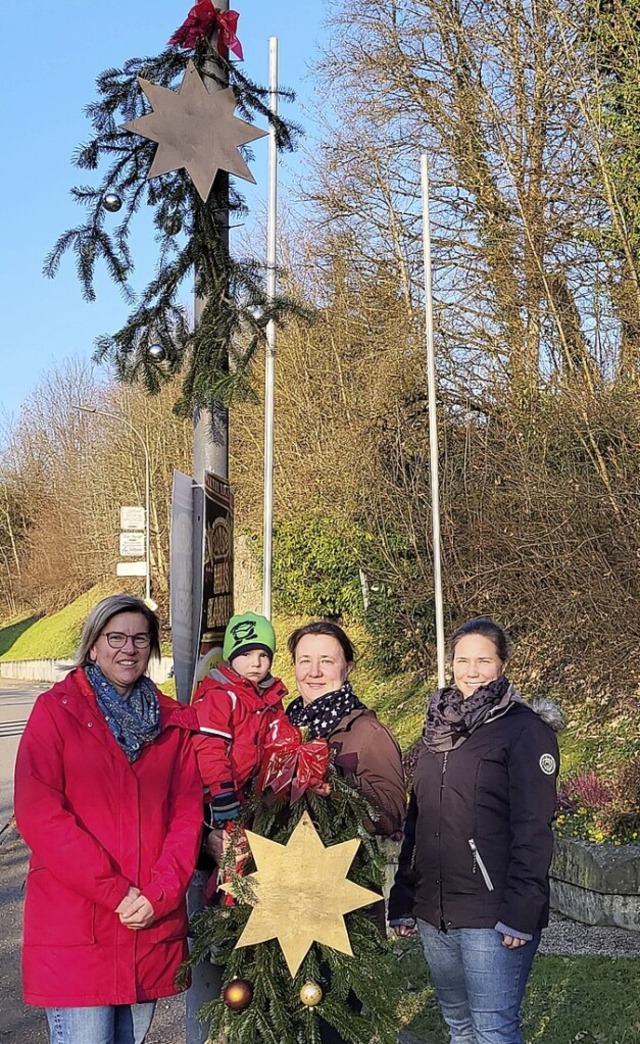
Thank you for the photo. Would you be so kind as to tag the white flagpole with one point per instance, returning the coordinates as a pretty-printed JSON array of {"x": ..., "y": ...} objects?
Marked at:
[
  {"x": 270, "y": 358},
  {"x": 433, "y": 423}
]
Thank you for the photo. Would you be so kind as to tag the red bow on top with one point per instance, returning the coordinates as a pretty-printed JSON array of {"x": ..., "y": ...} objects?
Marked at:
[
  {"x": 290, "y": 763},
  {"x": 202, "y": 20}
]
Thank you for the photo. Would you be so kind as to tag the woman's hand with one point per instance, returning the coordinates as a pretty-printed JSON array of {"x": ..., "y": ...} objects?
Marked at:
[
  {"x": 403, "y": 930},
  {"x": 131, "y": 895},
  {"x": 140, "y": 914},
  {"x": 512, "y": 943}
]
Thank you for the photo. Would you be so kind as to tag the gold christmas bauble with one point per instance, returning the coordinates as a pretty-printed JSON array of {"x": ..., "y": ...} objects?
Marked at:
[
  {"x": 311, "y": 994},
  {"x": 238, "y": 994}
]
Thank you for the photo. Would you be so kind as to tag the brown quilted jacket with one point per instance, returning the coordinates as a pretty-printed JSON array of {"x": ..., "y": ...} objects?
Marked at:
[{"x": 368, "y": 755}]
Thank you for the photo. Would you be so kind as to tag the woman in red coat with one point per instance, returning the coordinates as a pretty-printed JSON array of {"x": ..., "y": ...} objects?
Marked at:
[{"x": 109, "y": 800}]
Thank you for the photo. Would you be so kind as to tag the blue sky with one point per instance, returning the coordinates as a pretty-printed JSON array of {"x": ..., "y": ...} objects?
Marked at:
[{"x": 55, "y": 53}]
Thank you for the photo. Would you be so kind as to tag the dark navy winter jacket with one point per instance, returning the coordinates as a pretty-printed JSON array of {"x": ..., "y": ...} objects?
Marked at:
[{"x": 478, "y": 842}]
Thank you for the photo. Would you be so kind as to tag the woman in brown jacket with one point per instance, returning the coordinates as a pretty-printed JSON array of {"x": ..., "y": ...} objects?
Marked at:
[{"x": 363, "y": 750}]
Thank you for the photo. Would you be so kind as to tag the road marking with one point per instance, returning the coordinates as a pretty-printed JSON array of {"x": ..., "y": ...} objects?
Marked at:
[{"x": 11, "y": 728}]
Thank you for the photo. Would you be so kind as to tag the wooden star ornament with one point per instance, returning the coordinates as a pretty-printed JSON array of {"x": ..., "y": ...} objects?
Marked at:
[
  {"x": 302, "y": 893},
  {"x": 195, "y": 129}
]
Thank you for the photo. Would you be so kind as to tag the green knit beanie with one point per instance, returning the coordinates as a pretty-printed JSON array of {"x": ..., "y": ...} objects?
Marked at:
[{"x": 247, "y": 631}]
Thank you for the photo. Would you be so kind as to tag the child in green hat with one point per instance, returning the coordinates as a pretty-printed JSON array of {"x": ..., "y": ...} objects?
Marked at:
[{"x": 236, "y": 704}]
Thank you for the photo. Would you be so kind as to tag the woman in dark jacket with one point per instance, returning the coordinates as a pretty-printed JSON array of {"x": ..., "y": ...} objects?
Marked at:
[{"x": 473, "y": 869}]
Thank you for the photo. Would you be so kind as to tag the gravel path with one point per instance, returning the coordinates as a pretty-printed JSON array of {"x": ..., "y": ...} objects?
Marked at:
[{"x": 568, "y": 938}]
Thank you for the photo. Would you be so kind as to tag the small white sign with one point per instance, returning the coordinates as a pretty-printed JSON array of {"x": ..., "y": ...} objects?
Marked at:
[
  {"x": 132, "y": 518},
  {"x": 132, "y": 544},
  {"x": 131, "y": 569}
]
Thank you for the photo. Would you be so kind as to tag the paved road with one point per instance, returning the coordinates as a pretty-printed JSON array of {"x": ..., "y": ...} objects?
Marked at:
[
  {"x": 16, "y": 701},
  {"x": 18, "y": 1023}
]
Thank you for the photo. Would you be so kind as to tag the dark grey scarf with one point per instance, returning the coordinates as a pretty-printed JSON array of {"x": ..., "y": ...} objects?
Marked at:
[{"x": 451, "y": 719}]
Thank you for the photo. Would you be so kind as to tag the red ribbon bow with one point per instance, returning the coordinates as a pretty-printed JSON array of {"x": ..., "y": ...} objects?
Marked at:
[
  {"x": 202, "y": 20},
  {"x": 290, "y": 763}
]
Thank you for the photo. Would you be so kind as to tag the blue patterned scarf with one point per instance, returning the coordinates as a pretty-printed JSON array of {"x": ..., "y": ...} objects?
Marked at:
[{"x": 134, "y": 720}]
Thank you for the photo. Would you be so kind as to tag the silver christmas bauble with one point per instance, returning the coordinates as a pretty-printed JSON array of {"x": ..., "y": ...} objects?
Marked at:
[
  {"x": 156, "y": 351},
  {"x": 112, "y": 202},
  {"x": 173, "y": 225}
]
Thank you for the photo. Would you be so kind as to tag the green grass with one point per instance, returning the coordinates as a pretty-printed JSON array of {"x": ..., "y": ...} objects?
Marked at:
[
  {"x": 52, "y": 637},
  {"x": 12, "y": 630},
  {"x": 593, "y": 1000}
]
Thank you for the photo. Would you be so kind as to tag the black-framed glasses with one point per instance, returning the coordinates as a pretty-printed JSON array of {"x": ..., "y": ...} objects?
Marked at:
[{"x": 118, "y": 640}]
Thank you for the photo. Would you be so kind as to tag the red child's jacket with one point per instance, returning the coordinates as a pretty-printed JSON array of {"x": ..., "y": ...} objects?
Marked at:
[{"x": 234, "y": 716}]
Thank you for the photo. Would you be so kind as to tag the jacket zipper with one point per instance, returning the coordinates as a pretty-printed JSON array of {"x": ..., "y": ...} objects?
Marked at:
[
  {"x": 441, "y": 899},
  {"x": 479, "y": 862}
]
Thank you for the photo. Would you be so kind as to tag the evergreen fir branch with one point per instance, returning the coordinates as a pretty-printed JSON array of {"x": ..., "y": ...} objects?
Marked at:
[
  {"x": 191, "y": 236},
  {"x": 276, "y": 1012}
]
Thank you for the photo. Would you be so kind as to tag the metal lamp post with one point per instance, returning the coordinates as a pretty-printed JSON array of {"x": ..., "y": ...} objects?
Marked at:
[
  {"x": 270, "y": 358},
  {"x": 147, "y": 485},
  {"x": 433, "y": 423}
]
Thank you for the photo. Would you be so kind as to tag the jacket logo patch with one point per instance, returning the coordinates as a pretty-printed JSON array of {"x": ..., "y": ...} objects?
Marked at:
[{"x": 548, "y": 764}]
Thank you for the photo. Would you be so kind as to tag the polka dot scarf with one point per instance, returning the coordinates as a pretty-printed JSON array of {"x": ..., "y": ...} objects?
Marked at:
[{"x": 322, "y": 716}]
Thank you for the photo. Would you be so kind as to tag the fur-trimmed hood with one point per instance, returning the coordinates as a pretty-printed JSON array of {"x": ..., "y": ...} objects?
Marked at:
[{"x": 550, "y": 712}]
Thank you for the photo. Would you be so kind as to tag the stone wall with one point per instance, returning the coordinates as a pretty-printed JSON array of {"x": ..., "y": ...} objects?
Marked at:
[{"x": 596, "y": 883}]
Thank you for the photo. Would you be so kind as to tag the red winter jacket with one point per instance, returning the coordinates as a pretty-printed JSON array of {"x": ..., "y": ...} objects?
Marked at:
[
  {"x": 233, "y": 717},
  {"x": 95, "y": 825}
]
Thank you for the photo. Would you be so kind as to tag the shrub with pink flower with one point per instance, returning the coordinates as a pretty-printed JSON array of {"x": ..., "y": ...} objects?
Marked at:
[
  {"x": 592, "y": 807},
  {"x": 586, "y": 790}
]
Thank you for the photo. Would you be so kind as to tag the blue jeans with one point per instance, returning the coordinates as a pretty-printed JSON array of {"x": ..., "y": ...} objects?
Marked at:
[
  {"x": 111, "y": 1024},
  {"x": 479, "y": 982}
]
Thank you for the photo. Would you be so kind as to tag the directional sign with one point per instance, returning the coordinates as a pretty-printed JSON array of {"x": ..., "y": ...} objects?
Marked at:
[
  {"x": 132, "y": 544},
  {"x": 132, "y": 518},
  {"x": 131, "y": 569}
]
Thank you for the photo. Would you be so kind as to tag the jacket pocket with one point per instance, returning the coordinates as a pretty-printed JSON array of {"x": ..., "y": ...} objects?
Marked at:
[
  {"x": 173, "y": 925},
  {"x": 478, "y": 863},
  {"x": 55, "y": 915}
]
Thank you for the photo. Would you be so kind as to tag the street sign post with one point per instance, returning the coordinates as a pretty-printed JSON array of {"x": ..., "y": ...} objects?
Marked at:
[
  {"x": 131, "y": 569},
  {"x": 132, "y": 518},
  {"x": 132, "y": 544}
]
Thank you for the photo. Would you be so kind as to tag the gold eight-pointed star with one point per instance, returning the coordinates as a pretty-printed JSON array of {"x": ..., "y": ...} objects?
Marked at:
[
  {"x": 302, "y": 893},
  {"x": 195, "y": 129}
]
